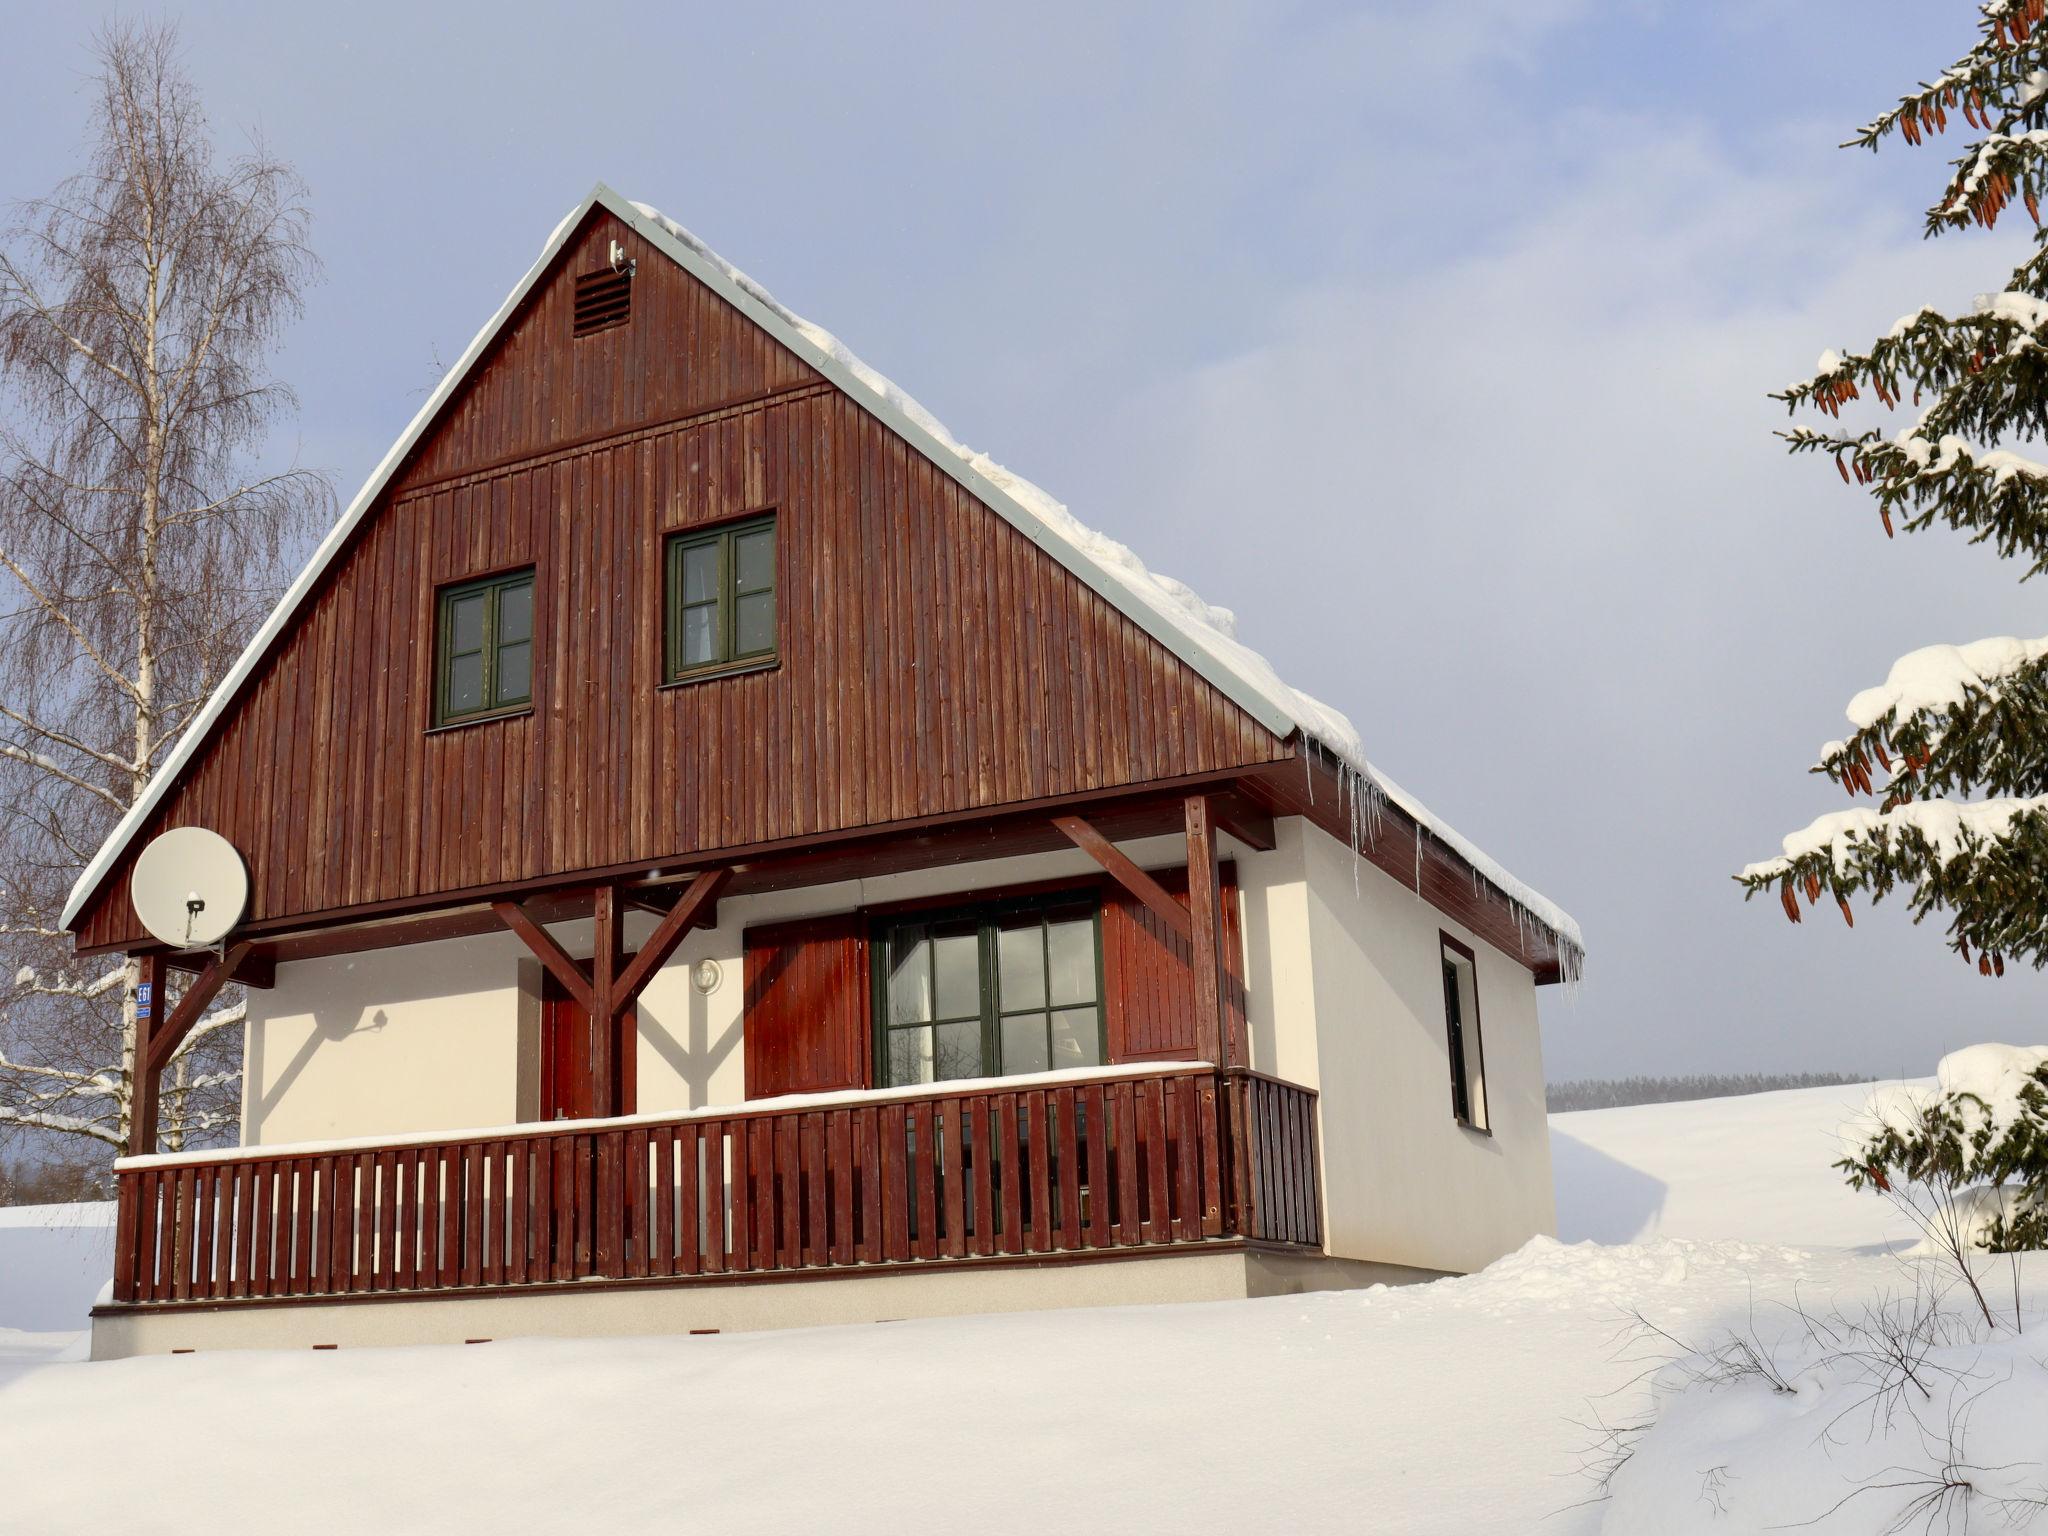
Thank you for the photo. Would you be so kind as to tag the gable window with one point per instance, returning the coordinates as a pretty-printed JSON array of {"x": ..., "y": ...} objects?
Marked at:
[
  {"x": 1461, "y": 1027},
  {"x": 721, "y": 599},
  {"x": 484, "y": 649},
  {"x": 989, "y": 992}
]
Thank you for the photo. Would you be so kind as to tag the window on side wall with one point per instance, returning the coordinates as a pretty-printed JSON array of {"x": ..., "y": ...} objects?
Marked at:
[
  {"x": 1461, "y": 1030},
  {"x": 988, "y": 992},
  {"x": 483, "y": 649},
  {"x": 721, "y": 600}
]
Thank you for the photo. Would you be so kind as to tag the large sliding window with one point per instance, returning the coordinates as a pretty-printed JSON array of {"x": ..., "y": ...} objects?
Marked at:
[
  {"x": 721, "y": 599},
  {"x": 989, "y": 992},
  {"x": 484, "y": 649}
]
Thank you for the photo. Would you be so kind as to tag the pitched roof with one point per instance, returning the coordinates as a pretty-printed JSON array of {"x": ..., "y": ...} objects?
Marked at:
[{"x": 1198, "y": 633}]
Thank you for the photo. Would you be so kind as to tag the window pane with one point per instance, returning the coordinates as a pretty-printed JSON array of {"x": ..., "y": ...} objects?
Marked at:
[
  {"x": 515, "y": 613},
  {"x": 1071, "y": 949},
  {"x": 700, "y": 573},
  {"x": 1024, "y": 1048},
  {"x": 959, "y": 1051},
  {"x": 1077, "y": 1038},
  {"x": 700, "y": 635},
  {"x": 956, "y": 968},
  {"x": 1020, "y": 966},
  {"x": 515, "y": 673},
  {"x": 754, "y": 625},
  {"x": 754, "y": 555},
  {"x": 466, "y": 622},
  {"x": 910, "y": 978},
  {"x": 466, "y": 684},
  {"x": 910, "y": 1056}
]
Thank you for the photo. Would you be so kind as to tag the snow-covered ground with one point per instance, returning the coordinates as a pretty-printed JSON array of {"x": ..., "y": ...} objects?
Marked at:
[
  {"x": 1464, "y": 1406},
  {"x": 1758, "y": 1167}
]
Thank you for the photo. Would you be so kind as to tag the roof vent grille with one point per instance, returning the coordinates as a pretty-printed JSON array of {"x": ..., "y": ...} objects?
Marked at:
[{"x": 603, "y": 299}]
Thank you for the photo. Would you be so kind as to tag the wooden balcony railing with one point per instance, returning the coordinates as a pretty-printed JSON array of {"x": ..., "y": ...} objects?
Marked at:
[{"x": 1168, "y": 1155}]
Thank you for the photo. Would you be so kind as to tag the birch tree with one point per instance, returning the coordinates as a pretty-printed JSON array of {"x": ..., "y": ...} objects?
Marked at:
[{"x": 143, "y": 530}]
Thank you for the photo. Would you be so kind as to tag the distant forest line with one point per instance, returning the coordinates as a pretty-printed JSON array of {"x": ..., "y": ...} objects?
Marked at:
[{"x": 1617, "y": 1092}]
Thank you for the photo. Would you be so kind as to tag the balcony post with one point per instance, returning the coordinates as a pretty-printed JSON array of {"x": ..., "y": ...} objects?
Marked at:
[
  {"x": 1205, "y": 914},
  {"x": 150, "y": 1006}
]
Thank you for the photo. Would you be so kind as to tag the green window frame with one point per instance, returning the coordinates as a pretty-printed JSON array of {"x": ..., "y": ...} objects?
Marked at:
[
  {"x": 994, "y": 990},
  {"x": 721, "y": 605},
  {"x": 483, "y": 651}
]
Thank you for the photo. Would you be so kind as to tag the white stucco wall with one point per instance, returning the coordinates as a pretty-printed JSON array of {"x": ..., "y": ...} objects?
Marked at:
[
  {"x": 1347, "y": 996},
  {"x": 385, "y": 1042}
]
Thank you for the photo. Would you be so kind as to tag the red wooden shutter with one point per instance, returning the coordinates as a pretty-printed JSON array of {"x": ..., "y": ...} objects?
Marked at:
[
  {"x": 806, "y": 1024},
  {"x": 1147, "y": 975}
]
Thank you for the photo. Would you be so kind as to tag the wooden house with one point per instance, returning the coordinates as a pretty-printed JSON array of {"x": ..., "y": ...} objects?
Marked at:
[{"x": 722, "y": 855}]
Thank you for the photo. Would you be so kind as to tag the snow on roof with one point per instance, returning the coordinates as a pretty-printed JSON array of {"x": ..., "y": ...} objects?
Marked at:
[{"x": 1200, "y": 633}]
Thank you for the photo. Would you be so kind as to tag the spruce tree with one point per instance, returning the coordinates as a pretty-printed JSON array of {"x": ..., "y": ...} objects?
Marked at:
[{"x": 1948, "y": 760}]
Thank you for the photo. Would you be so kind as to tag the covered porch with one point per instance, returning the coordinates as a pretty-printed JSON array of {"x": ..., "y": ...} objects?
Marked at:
[{"x": 1167, "y": 1143}]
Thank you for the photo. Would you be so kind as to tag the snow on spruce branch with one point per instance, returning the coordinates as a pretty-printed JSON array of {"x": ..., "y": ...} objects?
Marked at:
[{"x": 1978, "y": 860}]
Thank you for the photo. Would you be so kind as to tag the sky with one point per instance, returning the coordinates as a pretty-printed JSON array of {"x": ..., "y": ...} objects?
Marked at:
[{"x": 1434, "y": 339}]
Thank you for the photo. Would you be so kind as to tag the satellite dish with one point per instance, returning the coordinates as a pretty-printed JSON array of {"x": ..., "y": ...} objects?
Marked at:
[{"x": 190, "y": 887}]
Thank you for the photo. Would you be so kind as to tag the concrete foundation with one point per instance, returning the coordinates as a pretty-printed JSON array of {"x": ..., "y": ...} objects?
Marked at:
[{"x": 591, "y": 1309}]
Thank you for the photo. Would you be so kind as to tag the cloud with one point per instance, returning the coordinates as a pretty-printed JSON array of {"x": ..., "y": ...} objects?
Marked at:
[{"x": 1522, "y": 515}]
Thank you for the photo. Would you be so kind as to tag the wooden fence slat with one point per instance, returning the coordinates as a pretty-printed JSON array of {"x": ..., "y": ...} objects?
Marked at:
[
  {"x": 245, "y": 1229},
  {"x": 363, "y": 1190},
  {"x": 639, "y": 1193},
  {"x": 1009, "y": 1171},
  {"x": 786, "y": 1225},
  {"x": 1097, "y": 1230},
  {"x": 661, "y": 1228},
  {"x": 981, "y": 1214},
  {"x": 817, "y": 1191},
  {"x": 1041, "y": 1220},
  {"x": 839, "y": 1166},
  {"x": 953, "y": 1170},
  {"x": 262, "y": 1203},
  {"x": 1067, "y": 1149},
  {"x": 203, "y": 1191},
  {"x": 1158, "y": 1226},
  {"x": 867, "y": 1143},
  {"x": 1128, "y": 1198},
  {"x": 921, "y": 1121},
  {"x": 896, "y": 1195},
  {"x": 714, "y": 1188},
  {"x": 148, "y": 1191},
  {"x": 737, "y": 1237},
  {"x": 454, "y": 1194}
]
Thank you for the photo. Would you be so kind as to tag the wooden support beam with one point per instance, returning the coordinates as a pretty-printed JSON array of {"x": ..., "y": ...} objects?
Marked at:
[
  {"x": 258, "y": 967},
  {"x": 142, "y": 1091},
  {"x": 205, "y": 987},
  {"x": 1127, "y": 874},
  {"x": 1249, "y": 823},
  {"x": 697, "y": 908},
  {"x": 608, "y": 1050},
  {"x": 1205, "y": 910},
  {"x": 550, "y": 954}
]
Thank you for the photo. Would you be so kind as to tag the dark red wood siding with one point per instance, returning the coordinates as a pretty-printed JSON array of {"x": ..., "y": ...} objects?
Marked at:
[
  {"x": 807, "y": 1006},
  {"x": 1148, "y": 979},
  {"x": 933, "y": 660}
]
